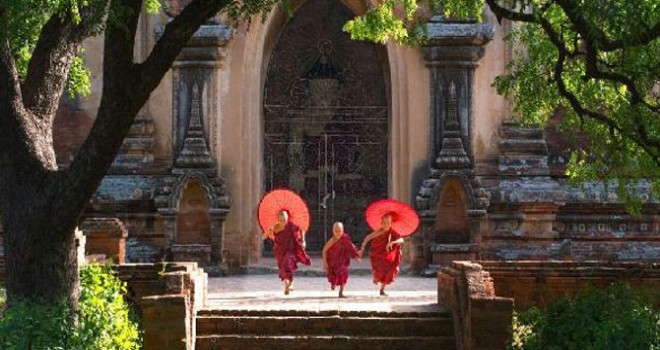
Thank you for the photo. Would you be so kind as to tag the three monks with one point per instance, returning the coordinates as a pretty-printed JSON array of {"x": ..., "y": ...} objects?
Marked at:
[{"x": 289, "y": 248}]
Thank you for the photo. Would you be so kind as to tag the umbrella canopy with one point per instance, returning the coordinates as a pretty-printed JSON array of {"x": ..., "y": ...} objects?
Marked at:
[
  {"x": 279, "y": 200},
  {"x": 404, "y": 218}
]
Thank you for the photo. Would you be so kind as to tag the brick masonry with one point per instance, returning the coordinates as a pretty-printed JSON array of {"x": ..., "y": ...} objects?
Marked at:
[
  {"x": 482, "y": 320},
  {"x": 538, "y": 283},
  {"x": 106, "y": 238},
  {"x": 168, "y": 296}
]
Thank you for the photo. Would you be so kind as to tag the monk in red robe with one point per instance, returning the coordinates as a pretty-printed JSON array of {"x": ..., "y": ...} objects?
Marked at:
[
  {"x": 337, "y": 255},
  {"x": 385, "y": 253},
  {"x": 289, "y": 248}
]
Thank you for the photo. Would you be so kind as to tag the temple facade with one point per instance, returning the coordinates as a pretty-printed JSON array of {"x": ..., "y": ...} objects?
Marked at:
[{"x": 293, "y": 102}]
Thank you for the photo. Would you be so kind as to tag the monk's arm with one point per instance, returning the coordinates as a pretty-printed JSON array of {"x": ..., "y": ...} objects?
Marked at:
[
  {"x": 354, "y": 252},
  {"x": 369, "y": 238},
  {"x": 270, "y": 233},
  {"x": 398, "y": 241},
  {"x": 323, "y": 254}
]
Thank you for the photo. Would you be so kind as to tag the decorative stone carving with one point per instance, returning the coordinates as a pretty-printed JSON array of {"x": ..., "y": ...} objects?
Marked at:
[
  {"x": 193, "y": 203},
  {"x": 451, "y": 201},
  {"x": 136, "y": 154},
  {"x": 194, "y": 74},
  {"x": 195, "y": 153},
  {"x": 523, "y": 151},
  {"x": 452, "y": 153},
  {"x": 451, "y": 54}
]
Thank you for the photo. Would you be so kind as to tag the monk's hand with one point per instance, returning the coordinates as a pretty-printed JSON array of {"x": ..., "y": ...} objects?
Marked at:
[{"x": 389, "y": 245}]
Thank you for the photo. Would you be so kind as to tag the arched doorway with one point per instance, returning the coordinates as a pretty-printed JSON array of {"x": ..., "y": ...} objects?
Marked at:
[{"x": 326, "y": 119}]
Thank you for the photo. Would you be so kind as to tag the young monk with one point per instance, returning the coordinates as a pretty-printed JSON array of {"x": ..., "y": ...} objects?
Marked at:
[
  {"x": 385, "y": 253},
  {"x": 288, "y": 247},
  {"x": 337, "y": 254}
]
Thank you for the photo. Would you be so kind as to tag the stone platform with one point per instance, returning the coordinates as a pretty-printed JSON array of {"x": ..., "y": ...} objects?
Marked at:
[{"x": 264, "y": 293}]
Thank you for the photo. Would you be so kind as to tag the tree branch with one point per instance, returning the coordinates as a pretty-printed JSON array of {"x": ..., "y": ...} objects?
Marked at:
[
  {"x": 642, "y": 39},
  {"x": 22, "y": 149},
  {"x": 502, "y": 12},
  {"x": 53, "y": 55},
  {"x": 126, "y": 87},
  {"x": 10, "y": 88},
  {"x": 598, "y": 37},
  {"x": 580, "y": 110},
  {"x": 117, "y": 108},
  {"x": 592, "y": 37}
]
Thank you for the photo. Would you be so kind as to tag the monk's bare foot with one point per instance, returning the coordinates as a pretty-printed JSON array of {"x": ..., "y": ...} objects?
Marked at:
[
  {"x": 382, "y": 293},
  {"x": 332, "y": 287},
  {"x": 341, "y": 295},
  {"x": 287, "y": 287},
  {"x": 291, "y": 286}
]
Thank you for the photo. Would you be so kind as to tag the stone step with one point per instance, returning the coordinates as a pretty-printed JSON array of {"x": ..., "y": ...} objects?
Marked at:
[
  {"x": 325, "y": 325},
  {"x": 258, "y": 342}
]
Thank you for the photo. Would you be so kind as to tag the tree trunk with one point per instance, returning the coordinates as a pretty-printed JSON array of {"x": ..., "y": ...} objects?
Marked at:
[
  {"x": 38, "y": 221},
  {"x": 40, "y": 256},
  {"x": 41, "y": 205}
]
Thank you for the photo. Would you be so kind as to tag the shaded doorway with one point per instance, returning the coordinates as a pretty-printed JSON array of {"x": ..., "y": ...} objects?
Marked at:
[{"x": 326, "y": 120}]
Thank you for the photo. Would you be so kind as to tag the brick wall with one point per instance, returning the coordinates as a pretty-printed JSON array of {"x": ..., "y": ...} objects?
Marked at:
[
  {"x": 70, "y": 128},
  {"x": 105, "y": 237},
  {"x": 482, "y": 320},
  {"x": 168, "y": 296},
  {"x": 537, "y": 283}
]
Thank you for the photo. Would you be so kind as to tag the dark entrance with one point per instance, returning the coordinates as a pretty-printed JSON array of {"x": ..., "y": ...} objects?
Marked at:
[{"x": 326, "y": 120}]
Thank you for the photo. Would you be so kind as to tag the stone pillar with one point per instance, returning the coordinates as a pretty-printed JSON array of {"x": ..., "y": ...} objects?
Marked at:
[
  {"x": 451, "y": 55},
  {"x": 166, "y": 321},
  {"x": 195, "y": 134},
  {"x": 197, "y": 67}
]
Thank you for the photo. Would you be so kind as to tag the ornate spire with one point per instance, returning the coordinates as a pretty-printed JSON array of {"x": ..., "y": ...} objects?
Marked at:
[
  {"x": 452, "y": 154},
  {"x": 195, "y": 153}
]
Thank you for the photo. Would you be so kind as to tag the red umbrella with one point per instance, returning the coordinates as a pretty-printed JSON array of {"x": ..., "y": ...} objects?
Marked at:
[
  {"x": 404, "y": 218},
  {"x": 279, "y": 200}
]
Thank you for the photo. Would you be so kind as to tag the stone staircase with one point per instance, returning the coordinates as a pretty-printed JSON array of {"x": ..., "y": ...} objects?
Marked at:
[{"x": 273, "y": 330}]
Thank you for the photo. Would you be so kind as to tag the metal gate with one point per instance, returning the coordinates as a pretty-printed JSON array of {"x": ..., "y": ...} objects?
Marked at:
[
  {"x": 326, "y": 120},
  {"x": 336, "y": 173}
]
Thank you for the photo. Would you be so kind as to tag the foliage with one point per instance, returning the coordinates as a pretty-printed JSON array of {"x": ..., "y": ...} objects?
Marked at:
[
  {"x": 25, "y": 25},
  {"x": 606, "y": 90},
  {"x": 615, "y": 318},
  {"x": 596, "y": 61},
  {"x": 104, "y": 321}
]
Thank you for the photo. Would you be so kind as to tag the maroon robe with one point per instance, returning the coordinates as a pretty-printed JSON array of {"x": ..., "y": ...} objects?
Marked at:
[
  {"x": 338, "y": 257},
  {"x": 289, "y": 251},
  {"x": 384, "y": 263}
]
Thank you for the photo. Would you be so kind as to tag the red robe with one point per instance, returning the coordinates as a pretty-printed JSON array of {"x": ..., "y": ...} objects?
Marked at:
[
  {"x": 384, "y": 263},
  {"x": 289, "y": 251},
  {"x": 338, "y": 258}
]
